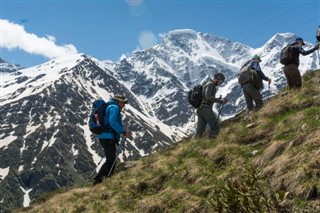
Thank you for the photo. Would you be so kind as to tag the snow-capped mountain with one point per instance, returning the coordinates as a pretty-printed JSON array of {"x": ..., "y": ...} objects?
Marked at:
[
  {"x": 45, "y": 141},
  {"x": 8, "y": 67}
]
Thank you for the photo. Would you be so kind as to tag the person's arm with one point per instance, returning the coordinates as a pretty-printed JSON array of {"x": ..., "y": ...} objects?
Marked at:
[
  {"x": 256, "y": 66},
  {"x": 210, "y": 92},
  {"x": 115, "y": 120},
  {"x": 307, "y": 52}
]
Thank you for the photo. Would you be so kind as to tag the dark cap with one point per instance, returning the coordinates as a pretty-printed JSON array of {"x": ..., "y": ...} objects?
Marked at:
[
  {"x": 120, "y": 98},
  {"x": 219, "y": 76},
  {"x": 300, "y": 40}
]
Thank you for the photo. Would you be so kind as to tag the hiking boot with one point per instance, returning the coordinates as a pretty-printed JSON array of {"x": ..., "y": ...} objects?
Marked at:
[{"x": 97, "y": 180}]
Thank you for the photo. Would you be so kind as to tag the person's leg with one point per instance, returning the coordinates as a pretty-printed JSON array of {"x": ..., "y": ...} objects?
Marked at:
[
  {"x": 201, "y": 124},
  {"x": 247, "y": 96},
  {"x": 107, "y": 168},
  {"x": 296, "y": 77},
  {"x": 212, "y": 120},
  {"x": 287, "y": 74},
  {"x": 257, "y": 98},
  {"x": 292, "y": 73}
]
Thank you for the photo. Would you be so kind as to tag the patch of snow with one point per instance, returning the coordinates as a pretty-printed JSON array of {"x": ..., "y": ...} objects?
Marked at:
[{"x": 4, "y": 172}]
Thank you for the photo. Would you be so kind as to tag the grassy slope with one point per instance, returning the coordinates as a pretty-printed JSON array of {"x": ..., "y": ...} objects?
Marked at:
[{"x": 250, "y": 166}]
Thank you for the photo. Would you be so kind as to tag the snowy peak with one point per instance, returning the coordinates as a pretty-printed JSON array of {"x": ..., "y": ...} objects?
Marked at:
[
  {"x": 24, "y": 82},
  {"x": 6, "y": 67}
]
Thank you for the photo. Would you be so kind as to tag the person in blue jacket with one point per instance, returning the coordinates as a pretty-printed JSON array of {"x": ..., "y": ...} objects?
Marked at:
[{"x": 109, "y": 139}]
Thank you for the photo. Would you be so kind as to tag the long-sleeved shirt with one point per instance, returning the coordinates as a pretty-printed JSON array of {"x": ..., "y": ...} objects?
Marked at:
[
  {"x": 297, "y": 50},
  {"x": 256, "y": 66},
  {"x": 114, "y": 120},
  {"x": 209, "y": 94}
]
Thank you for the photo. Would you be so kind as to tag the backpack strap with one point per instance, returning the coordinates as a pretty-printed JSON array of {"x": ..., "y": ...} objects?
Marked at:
[
  {"x": 204, "y": 93},
  {"x": 107, "y": 127}
]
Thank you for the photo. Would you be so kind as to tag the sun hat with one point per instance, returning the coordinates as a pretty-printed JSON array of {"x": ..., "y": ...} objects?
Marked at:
[{"x": 120, "y": 98}]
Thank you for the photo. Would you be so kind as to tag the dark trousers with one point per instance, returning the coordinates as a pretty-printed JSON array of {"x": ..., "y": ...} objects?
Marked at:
[
  {"x": 251, "y": 94},
  {"x": 206, "y": 116},
  {"x": 293, "y": 76},
  {"x": 110, "y": 151}
]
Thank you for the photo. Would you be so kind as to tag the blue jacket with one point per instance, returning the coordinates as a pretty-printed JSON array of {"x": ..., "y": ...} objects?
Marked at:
[{"x": 113, "y": 119}]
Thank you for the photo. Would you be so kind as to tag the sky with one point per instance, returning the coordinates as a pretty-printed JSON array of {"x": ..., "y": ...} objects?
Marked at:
[{"x": 36, "y": 31}]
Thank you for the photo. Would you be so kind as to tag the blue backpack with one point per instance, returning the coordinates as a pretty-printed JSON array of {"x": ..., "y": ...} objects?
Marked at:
[{"x": 96, "y": 119}]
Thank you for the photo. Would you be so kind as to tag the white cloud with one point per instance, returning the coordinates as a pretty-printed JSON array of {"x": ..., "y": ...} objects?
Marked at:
[{"x": 14, "y": 36}]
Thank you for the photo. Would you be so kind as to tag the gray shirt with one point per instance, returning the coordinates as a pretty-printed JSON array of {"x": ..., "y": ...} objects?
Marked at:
[{"x": 209, "y": 94}]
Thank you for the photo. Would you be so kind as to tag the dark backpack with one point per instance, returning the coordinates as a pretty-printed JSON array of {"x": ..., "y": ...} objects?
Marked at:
[
  {"x": 247, "y": 74},
  {"x": 244, "y": 74},
  {"x": 286, "y": 55},
  {"x": 195, "y": 96},
  {"x": 96, "y": 119},
  {"x": 256, "y": 80}
]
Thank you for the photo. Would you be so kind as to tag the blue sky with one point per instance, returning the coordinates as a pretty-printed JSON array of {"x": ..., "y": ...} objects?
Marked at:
[{"x": 35, "y": 31}]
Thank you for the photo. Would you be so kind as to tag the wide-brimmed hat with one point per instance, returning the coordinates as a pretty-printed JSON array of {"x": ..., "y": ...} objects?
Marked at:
[{"x": 120, "y": 98}]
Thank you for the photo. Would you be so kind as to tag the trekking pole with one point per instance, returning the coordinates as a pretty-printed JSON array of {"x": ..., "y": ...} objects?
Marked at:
[
  {"x": 318, "y": 40},
  {"x": 92, "y": 173},
  {"x": 218, "y": 116},
  {"x": 123, "y": 140},
  {"x": 220, "y": 109},
  {"x": 268, "y": 91},
  {"x": 114, "y": 162}
]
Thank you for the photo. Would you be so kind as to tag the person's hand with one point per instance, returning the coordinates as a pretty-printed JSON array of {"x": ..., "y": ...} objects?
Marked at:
[
  {"x": 128, "y": 134},
  {"x": 223, "y": 101},
  {"x": 121, "y": 145}
]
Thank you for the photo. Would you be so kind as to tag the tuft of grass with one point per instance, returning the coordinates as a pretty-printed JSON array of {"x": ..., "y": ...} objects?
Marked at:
[{"x": 247, "y": 191}]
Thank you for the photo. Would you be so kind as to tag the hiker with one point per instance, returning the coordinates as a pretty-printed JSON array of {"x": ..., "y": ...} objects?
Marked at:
[
  {"x": 109, "y": 139},
  {"x": 291, "y": 70},
  {"x": 250, "y": 91},
  {"x": 204, "y": 112}
]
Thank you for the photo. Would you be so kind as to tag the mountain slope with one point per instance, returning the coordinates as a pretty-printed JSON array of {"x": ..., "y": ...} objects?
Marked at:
[{"x": 266, "y": 161}]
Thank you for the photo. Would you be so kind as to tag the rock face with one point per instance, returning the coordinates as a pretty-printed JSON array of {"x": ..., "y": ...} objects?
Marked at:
[{"x": 45, "y": 141}]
